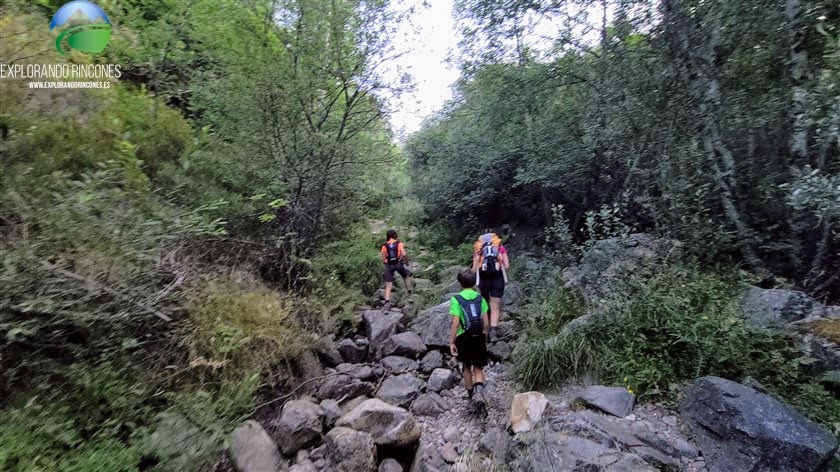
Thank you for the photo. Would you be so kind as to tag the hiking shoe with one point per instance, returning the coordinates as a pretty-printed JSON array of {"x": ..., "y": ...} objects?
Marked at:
[
  {"x": 386, "y": 306},
  {"x": 478, "y": 396},
  {"x": 493, "y": 337}
]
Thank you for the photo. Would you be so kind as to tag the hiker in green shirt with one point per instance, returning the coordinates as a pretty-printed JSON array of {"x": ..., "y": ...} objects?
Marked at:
[{"x": 468, "y": 335}]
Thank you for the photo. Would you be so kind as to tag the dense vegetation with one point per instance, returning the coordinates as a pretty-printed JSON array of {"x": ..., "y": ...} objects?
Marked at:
[
  {"x": 713, "y": 122},
  {"x": 166, "y": 242}
]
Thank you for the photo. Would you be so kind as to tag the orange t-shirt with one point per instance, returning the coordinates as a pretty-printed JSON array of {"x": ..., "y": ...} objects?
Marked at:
[{"x": 400, "y": 250}]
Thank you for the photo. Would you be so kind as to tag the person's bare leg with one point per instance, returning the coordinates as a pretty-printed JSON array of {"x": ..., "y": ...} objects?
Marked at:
[
  {"x": 407, "y": 284},
  {"x": 468, "y": 378},
  {"x": 388, "y": 287},
  {"x": 495, "y": 311},
  {"x": 477, "y": 375}
]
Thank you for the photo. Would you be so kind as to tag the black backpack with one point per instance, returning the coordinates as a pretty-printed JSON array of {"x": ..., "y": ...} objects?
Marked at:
[
  {"x": 472, "y": 315},
  {"x": 393, "y": 252}
]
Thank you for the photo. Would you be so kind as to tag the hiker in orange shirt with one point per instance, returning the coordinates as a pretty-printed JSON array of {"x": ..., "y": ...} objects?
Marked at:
[{"x": 394, "y": 257}]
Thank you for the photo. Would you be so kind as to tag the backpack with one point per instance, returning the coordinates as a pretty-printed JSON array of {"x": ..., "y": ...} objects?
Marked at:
[
  {"x": 489, "y": 253},
  {"x": 393, "y": 252},
  {"x": 472, "y": 315}
]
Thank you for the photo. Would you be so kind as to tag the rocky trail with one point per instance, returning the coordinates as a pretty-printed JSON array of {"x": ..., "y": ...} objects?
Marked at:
[{"x": 391, "y": 399}]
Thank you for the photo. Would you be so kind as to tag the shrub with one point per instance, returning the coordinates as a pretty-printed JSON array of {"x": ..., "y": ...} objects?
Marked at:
[{"x": 241, "y": 329}]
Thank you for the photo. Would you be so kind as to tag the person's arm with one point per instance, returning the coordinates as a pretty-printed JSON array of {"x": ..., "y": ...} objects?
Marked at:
[
  {"x": 503, "y": 257},
  {"x": 485, "y": 318},
  {"x": 453, "y": 331},
  {"x": 404, "y": 255},
  {"x": 475, "y": 264},
  {"x": 384, "y": 252}
]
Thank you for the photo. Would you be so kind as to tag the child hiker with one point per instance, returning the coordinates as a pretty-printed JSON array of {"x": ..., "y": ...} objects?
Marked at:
[
  {"x": 394, "y": 257},
  {"x": 468, "y": 335}
]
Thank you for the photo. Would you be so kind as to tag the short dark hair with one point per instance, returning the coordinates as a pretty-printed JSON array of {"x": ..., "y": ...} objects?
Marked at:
[
  {"x": 466, "y": 278},
  {"x": 392, "y": 234}
]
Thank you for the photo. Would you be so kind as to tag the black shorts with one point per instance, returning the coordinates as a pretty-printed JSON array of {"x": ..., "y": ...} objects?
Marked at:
[
  {"x": 491, "y": 285},
  {"x": 472, "y": 349},
  {"x": 399, "y": 268}
]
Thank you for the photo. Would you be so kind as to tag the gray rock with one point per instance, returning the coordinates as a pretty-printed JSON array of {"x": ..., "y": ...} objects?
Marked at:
[
  {"x": 448, "y": 453},
  {"x": 348, "y": 450},
  {"x": 494, "y": 442},
  {"x": 775, "y": 307},
  {"x": 433, "y": 326},
  {"x": 307, "y": 365},
  {"x": 513, "y": 296},
  {"x": 178, "y": 444},
  {"x": 655, "y": 457},
  {"x": 318, "y": 453},
  {"x": 398, "y": 364},
  {"x": 631, "y": 463},
  {"x": 613, "y": 400},
  {"x": 499, "y": 351},
  {"x": 356, "y": 371},
  {"x": 740, "y": 429},
  {"x": 329, "y": 356},
  {"x": 400, "y": 390},
  {"x": 345, "y": 408},
  {"x": 431, "y": 361},
  {"x": 427, "y": 458},
  {"x": 332, "y": 411},
  {"x": 429, "y": 404},
  {"x": 390, "y": 465},
  {"x": 407, "y": 344},
  {"x": 611, "y": 260},
  {"x": 452, "y": 434},
  {"x": 388, "y": 425},
  {"x": 341, "y": 386},
  {"x": 447, "y": 298},
  {"x": 301, "y": 423},
  {"x": 442, "y": 379},
  {"x": 252, "y": 450},
  {"x": 544, "y": 449},
  {"x": 378, "y": 328},
  {"x": 421, "y": 284},
  {"x": 351, "y": 352},
  {"x": 453, "y": 287}
]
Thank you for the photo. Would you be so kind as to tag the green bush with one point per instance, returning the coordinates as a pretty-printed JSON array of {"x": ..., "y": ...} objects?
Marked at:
[{"x": 655, "y": 334}]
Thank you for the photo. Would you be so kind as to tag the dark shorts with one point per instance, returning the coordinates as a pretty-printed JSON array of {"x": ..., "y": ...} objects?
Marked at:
[
  {"x": 491, "y": 285},
  {"x": 472, "y": 350},
  {"x": 398, "y": 268}
]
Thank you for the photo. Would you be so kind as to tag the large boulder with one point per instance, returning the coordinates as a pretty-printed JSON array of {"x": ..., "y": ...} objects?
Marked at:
[
  {"x": 352, "y": 352},
  {"x": 340, "y": 386},
  {"x": 442, "y": 379},
  {"x": 526, "y": 411},
  {"x": 499, "y": 351},
  {"x": 356, "y": 371},
  {"x": 379, "y": 327},
  {"x": 252, "y": 450},
  {"x": 329, "y": 356},
  {"x": 389, "y": 425},
  {"x": 407, "y": 344},
  {"x": 659, "y": 447},
  {"x": 431, "y": 361},
  {"x": 613, "y": 400},
  {"x": 544, "y": 449},
  {"x": 348, "y": 450},
  {"x": 400, "y": 390},
  {"x": 398, "y": 364},
  {"x": 427, "y": 458},
  {"x": 610, "y": 260},
  {"x": 301, "y": 424},
  {"x": 433, "y": 325},
  {"x": 776, "y": 307},
  {"x": 741, "y": 429},
  {"x": 429, "y": 404}
]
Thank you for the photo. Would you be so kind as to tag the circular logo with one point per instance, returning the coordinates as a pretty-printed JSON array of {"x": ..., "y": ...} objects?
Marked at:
[{"x": 84, "y": 26}]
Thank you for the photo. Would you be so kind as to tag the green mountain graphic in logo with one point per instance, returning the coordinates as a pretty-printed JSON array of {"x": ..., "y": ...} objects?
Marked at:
[{"x": 84, "y": 26}]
